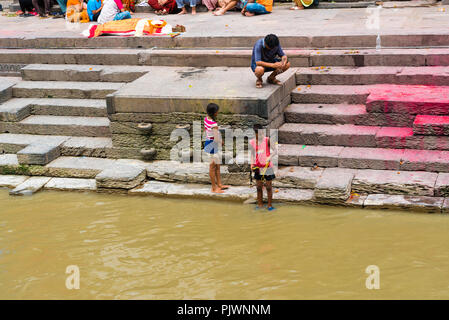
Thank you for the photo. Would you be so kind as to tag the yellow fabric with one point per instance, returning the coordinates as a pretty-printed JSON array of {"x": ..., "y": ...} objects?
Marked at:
[
  {"x": 73, "y": 12},
  {"x": 268, "y": 4},
  {"x": 124, "y": 26}
]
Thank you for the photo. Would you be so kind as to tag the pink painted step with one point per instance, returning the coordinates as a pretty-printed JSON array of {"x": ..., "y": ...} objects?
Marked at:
[
  {"x": 404, "y": 138},
  {"x": 431, "y": 125},
  {"x": 411, "y": 99},
  {"x": 331, "y": 94},
  {"x": 330, "y": 135},
  {"x": 364, "y": 158},
  {"x": 321, "y": 113}
]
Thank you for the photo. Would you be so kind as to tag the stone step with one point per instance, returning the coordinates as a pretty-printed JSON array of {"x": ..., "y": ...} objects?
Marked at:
[
  {"x": 59, "y": 125},
  {"x": 436, "y": 76},
  {"x": 69, "y": 146},
  {"x": 78, "y": 167},
  {"x": 330, "y": 135},
  {"x": 38, "y": 154},
  {"x": 364, "y": 158},
  {"x": 410, "y": 99},
  {"x": 76, "y": 72},
  {"x": 344, "y": 114},
  {"x": 64, "y": 89},
  {"x": 359, "y": 136},
  {"x": 226, "y": 56},
  {"x": 18, "y": 109},
  {"x": 332, "y": 94},
  {"x": 401, "y": 57},
  {"x": 431, "y": 125}
]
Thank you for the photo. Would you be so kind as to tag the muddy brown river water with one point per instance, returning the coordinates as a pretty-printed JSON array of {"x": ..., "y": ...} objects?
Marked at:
[{"x": 155, "y": 248}]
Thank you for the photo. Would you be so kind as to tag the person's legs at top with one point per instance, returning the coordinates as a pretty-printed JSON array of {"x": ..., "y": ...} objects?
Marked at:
[
  {"x": 298, "y": 5},
  {"x": 272, "y": 77},
  {"x": 254, "y": 8},
  {"x": 26, "y": 6},
  {"x": 230, "y": 5},
  {"x": 39, "y": 6},
  {"x": 213, "y": 176},
  {"x": 122, "y": 15},
  {"x": 95, "y": 16},
  {"x": 210, "y": 4},
  {"x": 182, "y": 6},
  {"x": 63, "y": 5},
  {"x": 218, "y": 177}
]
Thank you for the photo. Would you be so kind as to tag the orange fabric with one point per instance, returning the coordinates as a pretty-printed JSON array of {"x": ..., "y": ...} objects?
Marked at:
[
  {"x": 268, "y": 4},
  {"x": 122, "y": 26},
  {"x": 75, "y": 12}
]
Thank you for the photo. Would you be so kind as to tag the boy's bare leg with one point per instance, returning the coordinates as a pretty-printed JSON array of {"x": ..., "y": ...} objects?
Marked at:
[
  {"x": 269, "y": 188},
  {"x": 194, "y": 10},
  {"x": 218, "y": 176},
  {"x": 258, "y": 72},
  {"x": 213, "y": 178},
  {"x": 259, "y": 186},
  {"x": 272, "y": 77}
]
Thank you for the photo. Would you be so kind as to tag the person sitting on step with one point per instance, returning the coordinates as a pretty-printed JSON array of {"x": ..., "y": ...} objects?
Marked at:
[
  {"x": 163, "y": 7},
  {"x": 253, "y": 7},
  {"x": 268, "y": 56},
  {"x": 304, "y": 4},
  {"x": 94, "y": 9},
  {"x": 26, "y": 7},
  {"x": 113, "y": 10},
  {"x": 42, "y": 7},
  {"x": 226, "y": 5}
]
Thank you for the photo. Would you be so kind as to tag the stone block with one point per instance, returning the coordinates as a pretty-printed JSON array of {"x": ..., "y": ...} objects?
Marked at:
[
  {"x": 404, "y": 202},
  {"x": 120, "y": 177},
  {"x": 30, "y": 186}
]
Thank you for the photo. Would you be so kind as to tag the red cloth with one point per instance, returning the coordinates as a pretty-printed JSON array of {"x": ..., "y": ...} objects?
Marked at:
[{"x": 170, "y": 5}]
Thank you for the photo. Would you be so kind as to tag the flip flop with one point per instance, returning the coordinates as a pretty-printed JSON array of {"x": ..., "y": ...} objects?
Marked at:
[{"x": 271, "y": 208}]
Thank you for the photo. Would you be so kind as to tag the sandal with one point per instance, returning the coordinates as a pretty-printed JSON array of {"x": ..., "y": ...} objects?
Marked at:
[{"x": 274, "y": 81}]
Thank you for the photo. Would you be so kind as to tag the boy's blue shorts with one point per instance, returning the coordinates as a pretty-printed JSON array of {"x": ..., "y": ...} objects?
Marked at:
[{"x": 210, "y": 146}]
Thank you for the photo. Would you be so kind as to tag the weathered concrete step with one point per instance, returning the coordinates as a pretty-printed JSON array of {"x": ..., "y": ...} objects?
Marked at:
[
  {"x": 364, "y": 158},
  {"x": 78, "y": 167},
  {"x": 38, "y": 154},
  {"x": 18, "y": 109},
  {"x": 437, "y": 76},
  {"x": 74, "y": 72},
  {"x": 385, "y": 57},
  {"x": 332, "y": 94},
  {"x": 69, "y": 146},
  {"x": 359, "y": 136},
  {"x": 123, "y": 56},
  {"x": 29, "y": 186},
  {"x": 431, "y": 125},
  {"x": 64, "y": 89},
  {"x": 344, "y": 114},
  {"x": 59, "y": 125},
  {"x": 409, "y": 99},
  {"x": 404, "y": 138},
  {"x": 331, "y": 135}
]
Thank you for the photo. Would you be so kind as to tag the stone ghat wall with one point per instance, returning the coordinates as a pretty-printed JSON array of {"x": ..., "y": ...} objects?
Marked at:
[{"x": 128, "y": 140}]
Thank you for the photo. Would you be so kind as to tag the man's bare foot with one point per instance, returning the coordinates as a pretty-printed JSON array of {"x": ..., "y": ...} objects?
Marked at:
[
  {"x": 183, "y": 11},
  {"x": 297, "y": 8},
  {"x": 219, "y": 12},
  {"x": 193, "y": 10},
  {"x": 273, "y": 80},
  {"x": 259, "y": 83},
  {"x": 223, "y": 187},
  {"x": 217, "y": 190},
  {"x": 249, "y": 14}
]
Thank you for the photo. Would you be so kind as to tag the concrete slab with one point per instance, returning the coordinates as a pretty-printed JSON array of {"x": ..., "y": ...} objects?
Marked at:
[
  {"x": 11, "y": 181},
  {"x": 355, "y": 94},
  {"x": 334, "y": 185},
  {"x": 196, "y": 87},
  {"x": 71, "y": 184},
  {"x": 425, "y": 160},
  {"x": 69, "y": 107},
  {"x": 30, "y": 186},
  {"x": 15, "y": 109},
  {"x": 404, "y": 138},
  {"x": 13, "y": 143},
  {"x": 297, "y": 177},
  {"x": 120, "y": 176},
  {"x": 86, "y": 147},
  {"x": 309, "y": 156},
  {"x": 6, "y": 85},
  {"x": 38, "y": 154},
  {"x": 415, "y": 183},
  {"x": 78, "y": 167},
  {"x": 403, "y": 202}
]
